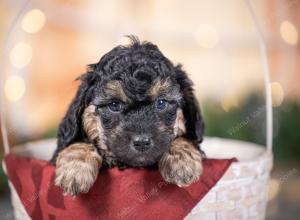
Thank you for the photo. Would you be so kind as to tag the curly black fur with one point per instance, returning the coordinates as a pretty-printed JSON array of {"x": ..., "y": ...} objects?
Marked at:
[{"x": 137, "y": 67}]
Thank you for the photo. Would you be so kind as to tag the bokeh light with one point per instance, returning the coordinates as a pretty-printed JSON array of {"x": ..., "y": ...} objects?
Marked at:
[
  {"x": 277, "y": 94},
  {"x": 274, "y": 187},
  {"x": 228, "y": 102},
  {"x": 124, "y": 40},
  {"x": 21, "y": 55},
  {"x": 14, "y": 88},
  {"x": 206, "y": 36},
  {"x": 33, "y": 21},
  {"x": 288, "y": 33}
]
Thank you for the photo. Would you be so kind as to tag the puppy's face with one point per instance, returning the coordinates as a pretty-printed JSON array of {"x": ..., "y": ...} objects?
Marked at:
[
  {"x": 132, "y": 104},
  {"x": 137, "y": 124}
]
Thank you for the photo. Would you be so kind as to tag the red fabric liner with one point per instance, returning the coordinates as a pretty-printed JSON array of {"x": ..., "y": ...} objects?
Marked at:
[{"x": 128, "y": 194}]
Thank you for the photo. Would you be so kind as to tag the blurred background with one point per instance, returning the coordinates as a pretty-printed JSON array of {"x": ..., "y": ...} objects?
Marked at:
[{"x": 53, "y": 41}]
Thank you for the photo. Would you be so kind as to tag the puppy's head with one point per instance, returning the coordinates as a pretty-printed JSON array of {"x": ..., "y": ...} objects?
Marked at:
[{"x": 133, "y": 103}]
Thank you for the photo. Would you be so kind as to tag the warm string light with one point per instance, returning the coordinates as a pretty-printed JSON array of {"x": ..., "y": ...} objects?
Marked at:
[
  {"x": 206, "y": 36},
  {"x": 33, "y": 21},
  {"x": 228, "y": 102},
  {"x": 273, "y": 189},
  {"x": 288, "y": 33},
  {"x": 20, "y": 55},
  {"x": 277, "y": 94},
  {"x": 124, "y": 41},
  {"x": 14, "y": 88}
]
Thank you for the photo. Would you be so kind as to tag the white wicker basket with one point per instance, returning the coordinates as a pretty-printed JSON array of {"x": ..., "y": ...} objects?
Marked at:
[{"x": 240, "y": 194}]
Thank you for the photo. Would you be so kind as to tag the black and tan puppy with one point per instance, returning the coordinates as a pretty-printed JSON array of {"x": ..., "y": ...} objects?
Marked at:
[{"x": 133, "y": 108}]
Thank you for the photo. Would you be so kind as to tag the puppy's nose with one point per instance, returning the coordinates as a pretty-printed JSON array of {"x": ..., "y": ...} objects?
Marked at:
[{"x": 141, "y": 143}]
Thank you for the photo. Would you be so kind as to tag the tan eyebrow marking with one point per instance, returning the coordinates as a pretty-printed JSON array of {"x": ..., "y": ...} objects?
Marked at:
[
  {"x": 114, "y": 88},
  {"x": 159, "y": 87}
]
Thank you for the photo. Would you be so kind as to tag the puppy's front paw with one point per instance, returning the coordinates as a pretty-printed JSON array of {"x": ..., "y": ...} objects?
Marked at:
[
  {"x": 77, "y": 168},
  {"x": 182, "y": 165}
]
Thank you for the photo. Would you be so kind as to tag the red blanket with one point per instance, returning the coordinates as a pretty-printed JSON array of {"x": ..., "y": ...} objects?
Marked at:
[{"x": 128, "y": 194}]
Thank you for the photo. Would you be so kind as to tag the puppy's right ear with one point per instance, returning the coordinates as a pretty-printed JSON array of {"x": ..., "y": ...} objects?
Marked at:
[{"x": 70, "y": 129}]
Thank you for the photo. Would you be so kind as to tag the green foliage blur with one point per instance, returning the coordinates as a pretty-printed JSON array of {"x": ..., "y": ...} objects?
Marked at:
[
  {"x": 248, "y": 122},
  {"x": 3, "y": 182}
]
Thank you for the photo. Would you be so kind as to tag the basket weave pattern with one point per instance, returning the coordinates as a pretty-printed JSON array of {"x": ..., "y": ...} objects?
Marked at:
[{"x": 240, "y": 194}]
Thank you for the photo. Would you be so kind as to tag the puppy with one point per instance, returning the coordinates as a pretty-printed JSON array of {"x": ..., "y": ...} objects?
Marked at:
[{"x": 134, "y": 108}]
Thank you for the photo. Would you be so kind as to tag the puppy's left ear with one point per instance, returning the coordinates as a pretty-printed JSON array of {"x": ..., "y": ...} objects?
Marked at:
[
  {"x": 70, "y": 129},
  {"x": 191, "y": 110}
]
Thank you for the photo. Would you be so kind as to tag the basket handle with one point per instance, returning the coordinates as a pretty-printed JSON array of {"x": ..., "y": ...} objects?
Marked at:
[
  {"x": 2, "y": 105},
  {"x": 266, "y": 72}
]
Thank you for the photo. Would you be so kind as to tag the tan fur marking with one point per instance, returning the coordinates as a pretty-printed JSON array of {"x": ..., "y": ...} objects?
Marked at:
[
  {"x": 77, "y": 168},
  {"x": 93, "y": 127},
  {"x": 182, "y": 165},
  {"x": 179, "y": 127},
  {"x": 159, "y": 87},
  {"x": 114, "y": 88}
]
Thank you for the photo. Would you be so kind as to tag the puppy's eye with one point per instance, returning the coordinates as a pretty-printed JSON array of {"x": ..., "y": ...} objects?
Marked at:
[
  {"x": 161, "y": 104},
  {"x": 115, "y": 106}
]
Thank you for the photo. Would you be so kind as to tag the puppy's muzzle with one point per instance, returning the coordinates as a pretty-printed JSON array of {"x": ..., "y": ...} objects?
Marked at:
[{"x": 141, "y": 142}]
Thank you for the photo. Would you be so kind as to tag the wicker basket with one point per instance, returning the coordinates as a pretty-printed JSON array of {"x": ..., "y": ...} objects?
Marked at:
[{"x": 240, "y": 194}]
